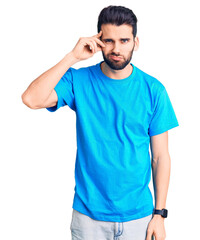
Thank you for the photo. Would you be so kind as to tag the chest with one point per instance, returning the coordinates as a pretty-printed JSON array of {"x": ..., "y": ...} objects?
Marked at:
[{"x": 127, "y": 107}]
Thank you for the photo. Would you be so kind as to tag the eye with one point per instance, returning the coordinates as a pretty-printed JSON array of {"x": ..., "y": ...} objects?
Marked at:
[
  {"x": 108, "y": 41},
  {"x": 124, "y": 40}
]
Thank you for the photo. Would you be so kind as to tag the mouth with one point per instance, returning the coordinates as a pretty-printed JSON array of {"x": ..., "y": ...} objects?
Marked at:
[{"x": 116, "y": 58}]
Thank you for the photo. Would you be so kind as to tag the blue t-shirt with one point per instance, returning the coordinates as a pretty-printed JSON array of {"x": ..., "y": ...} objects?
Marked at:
[{"x": 114, "y": 122}]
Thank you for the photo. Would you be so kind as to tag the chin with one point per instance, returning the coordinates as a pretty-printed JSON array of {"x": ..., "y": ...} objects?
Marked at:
[{"x": 116, "y": 66}]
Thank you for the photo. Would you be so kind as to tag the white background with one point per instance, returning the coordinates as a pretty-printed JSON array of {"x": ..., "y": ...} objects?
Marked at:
[{"x": 38, "y": 148}]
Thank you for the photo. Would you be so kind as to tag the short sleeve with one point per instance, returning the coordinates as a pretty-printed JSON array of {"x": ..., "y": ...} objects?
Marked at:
[
  {"x": 65, "y": 92},
  {"x": 163, "y": 118}
]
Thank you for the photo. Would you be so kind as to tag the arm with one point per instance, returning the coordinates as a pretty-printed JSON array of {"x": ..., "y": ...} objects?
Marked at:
[
  {"x": 40, "y": 93},
  {"x": 42, "y": 87},
  {"x": 161, "y": 164}
]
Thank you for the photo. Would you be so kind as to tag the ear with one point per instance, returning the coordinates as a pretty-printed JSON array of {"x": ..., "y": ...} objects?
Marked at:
[{"x": 136, "y": 43}]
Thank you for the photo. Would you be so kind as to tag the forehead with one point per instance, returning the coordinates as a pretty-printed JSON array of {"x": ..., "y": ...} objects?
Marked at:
[{"x": 116, "y": 32}]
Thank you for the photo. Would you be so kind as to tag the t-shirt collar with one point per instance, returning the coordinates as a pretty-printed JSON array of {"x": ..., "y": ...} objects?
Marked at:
[{"x": 102, "y": 75}]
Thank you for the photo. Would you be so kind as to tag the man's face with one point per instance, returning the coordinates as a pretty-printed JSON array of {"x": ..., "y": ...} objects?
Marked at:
[{"x": 120, "y": 43}]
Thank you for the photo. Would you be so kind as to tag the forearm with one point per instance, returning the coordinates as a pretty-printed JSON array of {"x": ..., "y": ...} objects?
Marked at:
[
  {"x": 40, "y": 89},
  {"x": 161, "y": 175}
]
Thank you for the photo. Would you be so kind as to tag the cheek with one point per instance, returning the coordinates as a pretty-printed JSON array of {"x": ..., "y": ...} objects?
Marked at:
[
  {"x": 106, "y": 50},
  {"x": 128, "y": 47},
  {"x": 127, "y": 50}
]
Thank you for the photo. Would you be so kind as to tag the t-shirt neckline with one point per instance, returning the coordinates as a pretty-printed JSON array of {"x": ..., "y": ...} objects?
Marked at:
[{"x": 115, "y": 80}]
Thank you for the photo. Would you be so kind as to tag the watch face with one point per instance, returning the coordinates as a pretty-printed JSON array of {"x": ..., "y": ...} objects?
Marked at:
[{"x": 164, "y": 213}]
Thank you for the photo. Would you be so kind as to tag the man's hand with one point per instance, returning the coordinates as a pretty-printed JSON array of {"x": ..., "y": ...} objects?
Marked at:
[
  {"x": 86, "y": 47},
  {"x": 156, "y": 228}
]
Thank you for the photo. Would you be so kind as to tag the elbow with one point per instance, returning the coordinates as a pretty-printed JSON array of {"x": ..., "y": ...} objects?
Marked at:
[
  {"x": 27, "y": 101},
  {"x": 154, "y": 162},
  {"x": 165, "y": 158}
]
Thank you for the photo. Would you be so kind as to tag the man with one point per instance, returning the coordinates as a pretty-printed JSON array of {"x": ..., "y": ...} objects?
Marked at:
[{"x": 120, "y": 110}]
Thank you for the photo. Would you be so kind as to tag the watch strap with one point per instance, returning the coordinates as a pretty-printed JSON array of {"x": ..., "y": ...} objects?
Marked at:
[{"x": 162, "y": 212}]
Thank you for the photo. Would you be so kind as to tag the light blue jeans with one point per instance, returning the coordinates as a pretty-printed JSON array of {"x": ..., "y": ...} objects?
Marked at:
[{"x": 85, "y": 228}]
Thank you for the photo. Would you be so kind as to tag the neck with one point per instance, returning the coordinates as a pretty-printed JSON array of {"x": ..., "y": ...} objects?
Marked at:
[{"x": 116, "y": 74}]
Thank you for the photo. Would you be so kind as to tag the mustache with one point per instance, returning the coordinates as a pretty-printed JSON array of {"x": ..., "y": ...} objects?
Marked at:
[{"x": 114, "y": 54}]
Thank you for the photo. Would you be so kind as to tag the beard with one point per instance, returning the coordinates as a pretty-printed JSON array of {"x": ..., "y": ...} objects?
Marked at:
[{"x": 117, "y": 65}]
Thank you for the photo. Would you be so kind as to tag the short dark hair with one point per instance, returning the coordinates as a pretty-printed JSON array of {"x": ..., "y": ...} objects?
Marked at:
[{"x": 117, "y": 15}]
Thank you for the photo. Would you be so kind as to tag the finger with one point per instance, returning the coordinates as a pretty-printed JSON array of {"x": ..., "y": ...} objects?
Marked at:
[
  {"x": 91, "y": 46},
  {"x": 149, "y": 235},
  {"x": 98, "y": 34},
  {"x": 87, "y": 43},
  {"x": 99, "y": 42},
  {"x": 94, "y": 45}
]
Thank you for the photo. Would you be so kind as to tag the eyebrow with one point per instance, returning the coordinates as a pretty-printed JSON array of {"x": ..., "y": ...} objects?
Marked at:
[{"x": 112, "y": 39}]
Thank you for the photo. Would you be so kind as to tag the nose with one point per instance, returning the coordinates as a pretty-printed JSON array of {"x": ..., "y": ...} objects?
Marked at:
[{"x": 116, "y": 48}]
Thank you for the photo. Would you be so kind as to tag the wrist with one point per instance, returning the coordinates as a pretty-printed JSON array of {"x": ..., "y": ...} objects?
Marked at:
[
  {"x": 158, "y": 217},
  {"x": 74, "y": 57},
  {"x": 69, "y": 57},
  {"x": 160, "y": 212}
]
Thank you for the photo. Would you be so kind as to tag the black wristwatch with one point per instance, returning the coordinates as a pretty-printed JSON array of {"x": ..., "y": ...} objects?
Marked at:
[{"x": 162, "y": 212}]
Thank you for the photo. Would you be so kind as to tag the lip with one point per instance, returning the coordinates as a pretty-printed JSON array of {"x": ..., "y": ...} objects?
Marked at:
[{"x": 115, "y": 58}]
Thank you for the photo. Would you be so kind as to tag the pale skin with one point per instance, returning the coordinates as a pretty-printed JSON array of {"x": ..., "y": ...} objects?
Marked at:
[{"x": 119, "y": 40}]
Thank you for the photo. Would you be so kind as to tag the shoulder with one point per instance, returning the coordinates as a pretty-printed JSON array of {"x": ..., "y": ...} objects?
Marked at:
[
  {"x": 83, "y": 70},
  {"x": 82, "y": 76},
  {"x": 87, "y": 73},
  {"x": 152, "y": 83}
]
